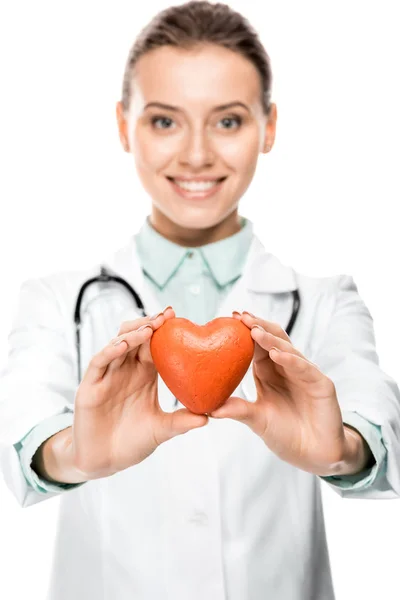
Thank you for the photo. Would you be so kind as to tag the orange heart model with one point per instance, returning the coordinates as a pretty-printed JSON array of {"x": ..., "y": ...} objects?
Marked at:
[{"x": 202, "y": 364}]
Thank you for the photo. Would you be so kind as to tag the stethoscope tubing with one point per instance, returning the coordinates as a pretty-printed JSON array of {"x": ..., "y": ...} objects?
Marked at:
[{"x": 106, "y": 277}]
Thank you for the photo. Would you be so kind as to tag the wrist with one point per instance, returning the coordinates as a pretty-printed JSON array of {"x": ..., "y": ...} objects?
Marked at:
[
  {"x": 357, "y": 454},
  {"x": 54, "y": 461}
]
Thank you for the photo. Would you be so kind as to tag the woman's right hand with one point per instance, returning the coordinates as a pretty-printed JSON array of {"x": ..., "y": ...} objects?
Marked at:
[{"x": 118, "y": 421}]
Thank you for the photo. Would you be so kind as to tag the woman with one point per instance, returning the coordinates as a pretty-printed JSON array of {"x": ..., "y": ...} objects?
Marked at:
[{"x": 233, "y": 508}]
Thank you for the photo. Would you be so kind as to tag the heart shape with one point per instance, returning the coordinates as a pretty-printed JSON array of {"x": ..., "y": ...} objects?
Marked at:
[{"x": 202, "y": 364}]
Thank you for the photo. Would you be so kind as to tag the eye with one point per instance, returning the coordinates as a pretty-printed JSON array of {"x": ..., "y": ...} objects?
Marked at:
[
  {"x": 160, "y": 118},
  {"x": 235, "y": 118}
]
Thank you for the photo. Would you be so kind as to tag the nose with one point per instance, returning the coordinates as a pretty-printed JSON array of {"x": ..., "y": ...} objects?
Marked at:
[{"x": 197, "y": 150}]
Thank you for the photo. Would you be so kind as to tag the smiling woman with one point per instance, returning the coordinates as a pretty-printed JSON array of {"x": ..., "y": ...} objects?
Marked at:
[
  {"x": 217, "y": 147},
  {"x": 197, "y": 158},
  {"x": 157, "y": 501}
]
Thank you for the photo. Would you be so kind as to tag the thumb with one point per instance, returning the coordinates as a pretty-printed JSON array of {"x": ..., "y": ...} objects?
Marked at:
[
  {"x": 237, "y": 409},
  {"x": 144, "y": 352},
  {"x": 178, "y": 422}
]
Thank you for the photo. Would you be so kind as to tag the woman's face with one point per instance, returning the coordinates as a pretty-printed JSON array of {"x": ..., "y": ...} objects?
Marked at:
[{"x": 191, "y": 135}]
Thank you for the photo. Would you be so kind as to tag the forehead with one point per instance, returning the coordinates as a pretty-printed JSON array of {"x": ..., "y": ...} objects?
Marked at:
[{"x": 205, "y": 76}]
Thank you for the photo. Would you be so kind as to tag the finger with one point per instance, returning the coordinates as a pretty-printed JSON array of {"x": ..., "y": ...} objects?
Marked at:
[
  {"x": 134, "y": 349},
  {"x": 274, "y": 328},
  {"x": 297, "y": 368},
  {"x": 144, "y": 354},
  {"x": 267, "y": 340},
  {"x": 154, "y": 322},
  {"x": 128, "y": 342},
  {"x": 127, "y": 326},
  {"x": 143, "y": 350}
]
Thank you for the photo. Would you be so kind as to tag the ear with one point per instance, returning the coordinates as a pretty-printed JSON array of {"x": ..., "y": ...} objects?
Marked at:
[
  {"x": 270, "y": 129},
  {"x": 122, "y": 126}
]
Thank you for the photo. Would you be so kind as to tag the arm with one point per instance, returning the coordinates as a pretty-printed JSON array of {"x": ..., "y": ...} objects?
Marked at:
[
  {"x": 37, "y": 389},
  {"x": 368, "y": 397},
  {"x": 303, "y": 409}
]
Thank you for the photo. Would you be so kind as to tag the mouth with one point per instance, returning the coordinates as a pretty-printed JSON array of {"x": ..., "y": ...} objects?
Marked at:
[{"x": 196, "y": 190}]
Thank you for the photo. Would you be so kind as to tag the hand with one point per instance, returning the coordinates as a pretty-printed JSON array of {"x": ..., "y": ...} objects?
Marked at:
[
  {"x": 118, "y": 421},
  {"x": 296, "y": 412}
]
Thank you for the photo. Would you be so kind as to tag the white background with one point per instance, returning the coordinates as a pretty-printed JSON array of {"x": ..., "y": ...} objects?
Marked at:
[{"x": 324, "y": 200}]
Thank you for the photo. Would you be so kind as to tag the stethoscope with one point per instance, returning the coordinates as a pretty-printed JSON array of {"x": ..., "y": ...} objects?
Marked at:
[{"x": 106, "y": 277}]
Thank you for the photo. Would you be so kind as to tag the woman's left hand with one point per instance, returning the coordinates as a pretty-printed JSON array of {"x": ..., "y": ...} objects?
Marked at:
[{"x": 296, "y": 412}]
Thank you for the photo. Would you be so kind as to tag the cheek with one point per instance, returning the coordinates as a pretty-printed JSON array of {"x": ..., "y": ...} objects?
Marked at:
[
  {"x": 153, "y": 152},
  {"x": 240, "y": 151}
]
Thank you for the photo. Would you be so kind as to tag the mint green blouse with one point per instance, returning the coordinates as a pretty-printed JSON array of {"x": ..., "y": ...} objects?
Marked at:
[{"x": 194, "y": 281}]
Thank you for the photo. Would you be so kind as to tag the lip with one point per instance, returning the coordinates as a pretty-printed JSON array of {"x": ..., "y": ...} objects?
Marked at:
[
  {"x": 196, "y": 195},
  {"x": 197, "y": 177}
]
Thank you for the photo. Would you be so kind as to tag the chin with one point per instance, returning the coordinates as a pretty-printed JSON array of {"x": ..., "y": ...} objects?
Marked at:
[{"x": 195, "y": 219}]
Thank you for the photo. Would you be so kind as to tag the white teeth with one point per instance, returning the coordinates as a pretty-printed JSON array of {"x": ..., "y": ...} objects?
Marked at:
[{"x": 196, "y": 186}]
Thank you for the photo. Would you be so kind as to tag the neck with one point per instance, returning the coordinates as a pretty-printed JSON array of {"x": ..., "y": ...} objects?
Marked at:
[{"x": 191, "y": 237}]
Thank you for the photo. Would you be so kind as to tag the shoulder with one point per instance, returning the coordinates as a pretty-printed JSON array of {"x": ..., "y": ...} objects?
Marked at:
[
  {"x": 323, "y": 297},
  {"x": 328, "y": 285},
  {"x": 55, "y": 292}
]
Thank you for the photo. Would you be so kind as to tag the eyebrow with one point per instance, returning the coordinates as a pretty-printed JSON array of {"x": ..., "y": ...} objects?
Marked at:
[{"x": 178, "y": 109}]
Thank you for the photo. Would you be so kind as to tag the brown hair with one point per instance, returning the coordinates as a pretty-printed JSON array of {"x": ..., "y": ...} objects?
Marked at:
[{"x": 195, "y": 22}]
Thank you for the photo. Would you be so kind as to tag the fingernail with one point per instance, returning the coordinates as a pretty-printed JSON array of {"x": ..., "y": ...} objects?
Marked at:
[
  {"x": 259, "y": 327},
  {"x": 154, "y": 317},
  {"x": 166, "y": 308},
  {"x": 144, "y": 326},
  {"x": 235, "y": 312},
  {"x": 118, "y": 341},
  {"x": 246, "y": 312}
]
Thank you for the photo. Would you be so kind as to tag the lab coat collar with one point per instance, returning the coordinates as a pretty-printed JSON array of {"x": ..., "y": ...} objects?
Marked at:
[{"x": 262, "y": 272}]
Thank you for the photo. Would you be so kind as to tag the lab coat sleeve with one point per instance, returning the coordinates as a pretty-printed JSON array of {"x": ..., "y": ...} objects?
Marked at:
[
  {"x": 37, "y": 384},
  {"x": 368, "y": 477},
  {"x": 368, "y": 397},
  {"x": 27, "y": 447}
]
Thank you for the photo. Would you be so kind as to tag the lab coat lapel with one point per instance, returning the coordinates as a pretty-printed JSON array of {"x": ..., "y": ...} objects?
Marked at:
[
  {"x": 125, "y": 263},
  {"x": 264, "y": 288}
]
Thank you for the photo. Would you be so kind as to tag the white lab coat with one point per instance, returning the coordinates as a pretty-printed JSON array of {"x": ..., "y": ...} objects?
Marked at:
[{"x": 212, "y": 514}]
